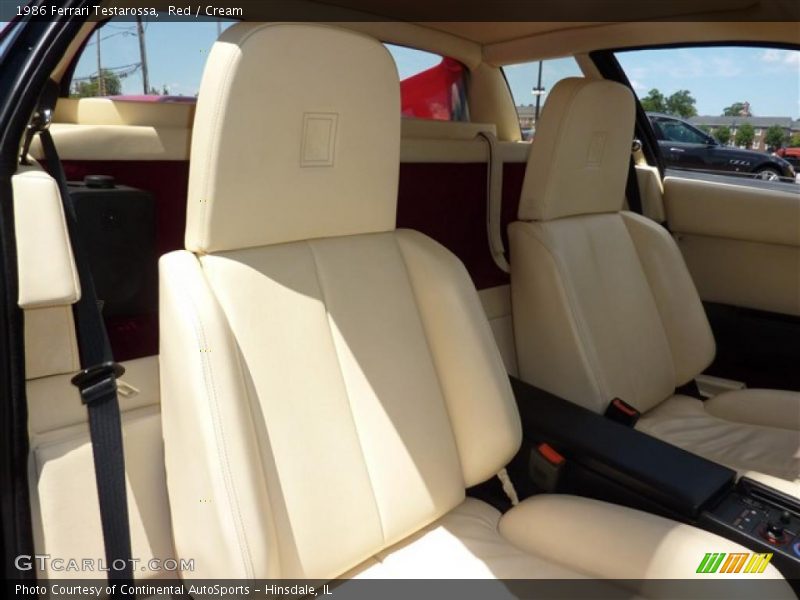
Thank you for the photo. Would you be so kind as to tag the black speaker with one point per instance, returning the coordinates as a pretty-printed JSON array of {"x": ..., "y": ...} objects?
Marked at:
[{"x": 116, "y": 224}]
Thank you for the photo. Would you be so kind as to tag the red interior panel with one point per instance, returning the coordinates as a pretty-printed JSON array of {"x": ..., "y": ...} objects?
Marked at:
[
  {"x": 446, "y": 201},
  {"x": 134, "y": 336}
]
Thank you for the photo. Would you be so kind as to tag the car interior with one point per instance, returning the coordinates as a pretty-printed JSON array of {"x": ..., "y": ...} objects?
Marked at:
[{"x": 364, "y": 345}]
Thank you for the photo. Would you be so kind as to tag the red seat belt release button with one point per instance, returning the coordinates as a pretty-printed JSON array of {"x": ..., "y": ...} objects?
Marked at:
[
  {"x": 544, "y": 467},
  {"x": 622, "y": 412}
]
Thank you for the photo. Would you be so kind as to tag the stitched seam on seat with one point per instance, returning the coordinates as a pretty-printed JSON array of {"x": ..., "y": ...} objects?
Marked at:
[
  {"x": 346, "y": 390},
  {"x": 214, "y": 139},
  {"x": 73, "y": 268},
  {"x": 213, "y": 404},
  {"x": 716, "y": 454},
  {"x": 74, "y": 359},
  {"x": 653, "y": 296},
  {"x": 598, "y": 380},
  {"x": 558, "y": 143},
  {"x": 430, "y": 350},
  {"x": 250, "y": 406}
]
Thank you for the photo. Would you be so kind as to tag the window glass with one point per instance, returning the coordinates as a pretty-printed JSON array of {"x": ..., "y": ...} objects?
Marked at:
[
  {"x": 149, "y": 60},
  {"x": 678, "y": 131},
  {"x": 164, "y": 61},
  {"x": 431, "y": 86},
  {"x": 531, "y": 82},
  {"x": 7, "y": 31},
  {"x": 725, "y": 110}
]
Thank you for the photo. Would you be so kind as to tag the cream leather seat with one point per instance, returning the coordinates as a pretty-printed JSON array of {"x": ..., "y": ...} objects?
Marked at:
[
  {"x": 603, "y": 304},
  {"x": 330, "y": 384}
]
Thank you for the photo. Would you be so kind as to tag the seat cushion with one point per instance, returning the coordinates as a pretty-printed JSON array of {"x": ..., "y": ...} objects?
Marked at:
[
  {"x": 540, "y": 539},
  {"x": 754, "y": 432},
  {"x": 468, "y": 537},
  {"x": 584, "y": 534}
]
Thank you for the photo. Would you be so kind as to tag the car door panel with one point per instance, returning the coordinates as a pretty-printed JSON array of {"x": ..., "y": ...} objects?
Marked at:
[{"x": 741, "y": 244}]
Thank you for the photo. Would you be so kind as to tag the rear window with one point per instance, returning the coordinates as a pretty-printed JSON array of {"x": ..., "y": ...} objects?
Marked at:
[
  {"x": 431, "y": 86},
  {"x": 530, "y": 83},
  {"x": 145, "y": 60},
  {"x": 151, "y": 61}
]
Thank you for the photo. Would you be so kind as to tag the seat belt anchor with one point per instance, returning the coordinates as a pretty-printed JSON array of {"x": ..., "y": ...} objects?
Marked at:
[{"x": 99, "y": 382}]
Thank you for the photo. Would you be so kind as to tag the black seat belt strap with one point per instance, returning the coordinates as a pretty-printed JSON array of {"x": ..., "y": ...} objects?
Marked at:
[
  {"x": 632, "y": 191},
  {"x": 97, "y": 383}
]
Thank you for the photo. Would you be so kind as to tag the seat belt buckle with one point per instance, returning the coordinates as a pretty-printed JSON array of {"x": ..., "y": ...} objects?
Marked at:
[
  {"x": 622, "y": 412},
  {"x": 98, "y": 382},
  {"x": 545, "y": 466}
]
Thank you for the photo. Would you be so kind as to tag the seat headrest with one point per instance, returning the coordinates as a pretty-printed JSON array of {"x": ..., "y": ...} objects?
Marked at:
[
  {"x": 581, "y": 151},
  {"x": 296, "y": 136}
]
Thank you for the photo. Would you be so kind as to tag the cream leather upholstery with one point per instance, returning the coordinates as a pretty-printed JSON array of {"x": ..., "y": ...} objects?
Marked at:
[
  {"x": 47, "y": 273},
  {"x": 326, "y": 399},
  {"x": 48, "y": 280},
  {"x": 604, "y": 307},
  {"x": 51, "y": 346},
  {"x": 312, "y": 145},
  {"x": 113, "y": 129},
  {"x": 578, "y": 165},
  {"x": 65, "y": 511},
  {"x": 738, "y": 253},
  {"x": 751, "y": 431}
]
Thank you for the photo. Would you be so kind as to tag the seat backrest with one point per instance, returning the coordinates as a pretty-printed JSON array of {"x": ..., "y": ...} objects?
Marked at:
[
  {"x": 603, "y": 304},
  {"x": 329, "y": 385}
]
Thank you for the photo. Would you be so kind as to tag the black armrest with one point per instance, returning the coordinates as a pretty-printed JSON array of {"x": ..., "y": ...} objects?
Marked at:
[{"x": 648, "y": 468}]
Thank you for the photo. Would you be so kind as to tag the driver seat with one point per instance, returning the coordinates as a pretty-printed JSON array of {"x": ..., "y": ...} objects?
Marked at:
[{"x": 330, "y": 384}]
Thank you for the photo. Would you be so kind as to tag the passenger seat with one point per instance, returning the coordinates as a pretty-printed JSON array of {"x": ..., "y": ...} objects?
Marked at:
[
  {"x": 604, "y": 307},
  {"x": 330, "y": 384}
]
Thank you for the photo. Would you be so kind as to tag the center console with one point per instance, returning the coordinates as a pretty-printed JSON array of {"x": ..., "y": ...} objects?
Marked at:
[
  {"x": 569, "y": 449},
  {"x": 761, "y": 518}
]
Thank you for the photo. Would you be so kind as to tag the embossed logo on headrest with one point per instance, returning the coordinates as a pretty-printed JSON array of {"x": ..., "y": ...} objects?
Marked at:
[
  {"x": 319, "y": 139},
  {"x": 597, "y": 145}
]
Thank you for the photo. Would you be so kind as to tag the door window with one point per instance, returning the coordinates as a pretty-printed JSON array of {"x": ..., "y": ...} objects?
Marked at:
[
  {"x": 724, "y": 110},
  {"x": 678, "y": 131}
]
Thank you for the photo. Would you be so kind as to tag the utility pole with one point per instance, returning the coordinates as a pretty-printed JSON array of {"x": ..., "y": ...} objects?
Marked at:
[
  {"x": 143, "y": 55},
  {"x": 100, "y": 82},
  {"x": 538, "y": 91}
]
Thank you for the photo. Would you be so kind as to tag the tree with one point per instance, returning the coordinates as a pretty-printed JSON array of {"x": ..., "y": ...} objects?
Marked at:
[
  {"x": 775, "y": 137},
  {"x": 745, "y": 135},
  {"x": 654, "y": 102},
  {"x": 682, "y": 103},
  {"x": 705, "y": 128},
  {"x": 154, "y": 91},
  {"x": 737, "y": 109},
  {"x": 723, "y": 134},
  {"x": 112, "y": 86},
  {"x": 794, "y": 141}
]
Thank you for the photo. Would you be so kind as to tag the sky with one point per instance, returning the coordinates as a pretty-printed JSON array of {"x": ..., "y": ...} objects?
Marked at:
[
  {"x": 767, "y": 78},
  {"x": 176, "y": 54}
]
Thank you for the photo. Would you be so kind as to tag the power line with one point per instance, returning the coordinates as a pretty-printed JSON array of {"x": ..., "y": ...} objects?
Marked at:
[
  {"x": 121, "y": 71},
  {"x": 123, "y": 33}
]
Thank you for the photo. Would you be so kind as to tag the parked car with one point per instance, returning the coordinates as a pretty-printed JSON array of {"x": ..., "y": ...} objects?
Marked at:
[
  {"x": 791, "y": 155},
  {"x": 684, "y": 146}
]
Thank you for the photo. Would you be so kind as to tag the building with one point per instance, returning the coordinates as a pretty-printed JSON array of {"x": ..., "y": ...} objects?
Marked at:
[
  {"x": 527, "y": 122},
  {"x": 760, "y": 125},
  {"x": 527, "y": 116}
]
